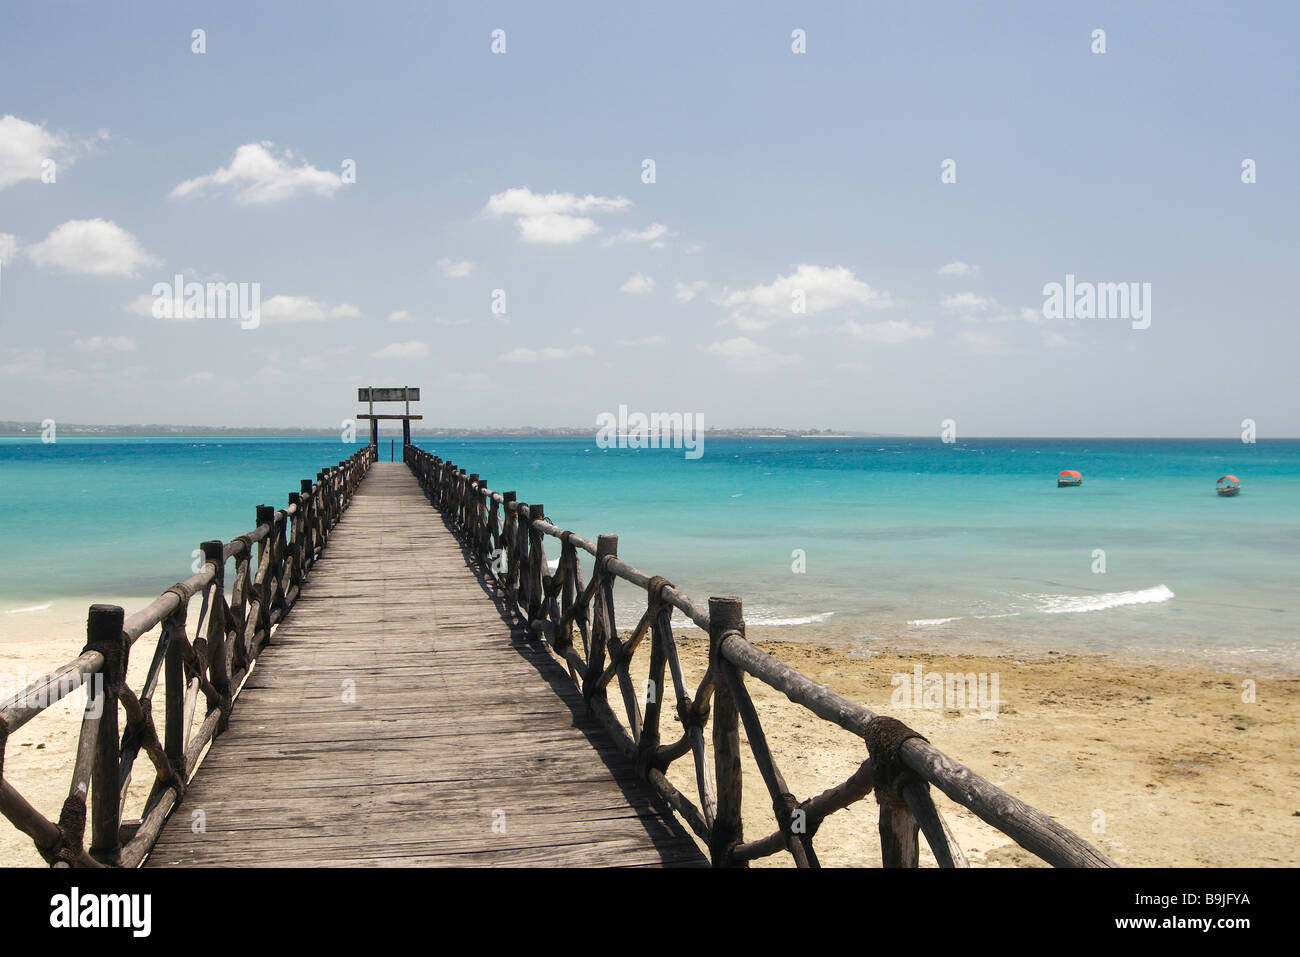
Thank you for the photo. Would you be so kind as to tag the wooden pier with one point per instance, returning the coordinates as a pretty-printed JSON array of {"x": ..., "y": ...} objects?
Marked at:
[
  {"x": 395, "y": 674},
  {"x": 397, "y": 719}
]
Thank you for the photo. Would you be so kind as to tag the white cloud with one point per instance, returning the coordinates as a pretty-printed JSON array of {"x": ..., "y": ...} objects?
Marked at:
[
  {"x": 302, "y": 309},
  {"x": 652, "y": 234},
  {"x": 96, "y": 247},
  {"x": 686, "y": 291},
  {"x": 555, "y": 228},
  {"x": 399, "y": 315},
  {"x": 551, "y": 217},
  {"x": 747, "y": 354},
  {"x": 170, "y": 307},
  {"x": 983, "y": 308},
  {"x": 104, "y": 344},
  {"x": 821, "y": 288},
  {"x": 967, "y": 302},
  {"x": 958, "y": 268},
  {"x": 402, "y": 350},
  {"x": 257, "y": 176},
  {"x": 522, "y": 201},
  {"x": 8, "y": 247},
  {"x": 524, "y": 354},
  {"x": 455, "y": 270},
  {"x": 892, "y": 331},
  {"x": 24, "y": 147},
  {"x": 637, "y": 284}
]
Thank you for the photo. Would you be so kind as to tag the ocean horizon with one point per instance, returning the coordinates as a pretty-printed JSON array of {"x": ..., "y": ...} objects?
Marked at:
[{"x": 873, "y": 543}]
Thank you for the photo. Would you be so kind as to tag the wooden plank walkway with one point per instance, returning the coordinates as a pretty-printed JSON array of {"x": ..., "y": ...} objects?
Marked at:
[{"x": 455, "y": 724}]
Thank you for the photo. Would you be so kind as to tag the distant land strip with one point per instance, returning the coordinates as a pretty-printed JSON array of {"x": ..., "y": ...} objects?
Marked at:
[{"x": 17, "y": 429}]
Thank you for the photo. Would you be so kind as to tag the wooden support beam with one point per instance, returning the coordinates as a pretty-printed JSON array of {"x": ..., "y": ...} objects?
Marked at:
[
  {"x": 725, "y": 619},
  {"x": 104, "y": 634}
]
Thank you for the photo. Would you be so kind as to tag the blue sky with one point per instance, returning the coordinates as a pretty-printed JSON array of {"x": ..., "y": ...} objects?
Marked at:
[{"x": 776, "y": 174}]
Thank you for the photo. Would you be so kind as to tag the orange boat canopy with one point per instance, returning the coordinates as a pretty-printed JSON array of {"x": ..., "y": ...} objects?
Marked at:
[
  {"x": 1071, "y": 473},
  {"x": 1228, "y": 478}
]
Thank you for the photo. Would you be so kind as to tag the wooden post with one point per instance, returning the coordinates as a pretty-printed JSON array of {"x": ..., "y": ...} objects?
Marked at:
[
  {"x": 406, "y": 423},
  {"x": 471, "y": 509},
  {"x": 321, "y": 509},
  {"x": 899, "y": 843},
  {"x": 725, "y": 616},
  {"x": 536, "y": 566},
  {"x": 265, "y": 516},
  {"x": 483, "y": 538},
  {"x": 899, "y": 846},
  {"x": 510, "y": 537},
  {"x": 522, "y": 558},
  {"x": 307, "y": 508},
  {"x": 104, "y": 634},
  {"x": 660, "y": 621},
  {"x": 606, "y": 547},
  {"x": 218, "y": 666},
  {"x": 374, "y": 423},
  {"x": 174, "y": 677},
  {"x": 295, "y": 547}
]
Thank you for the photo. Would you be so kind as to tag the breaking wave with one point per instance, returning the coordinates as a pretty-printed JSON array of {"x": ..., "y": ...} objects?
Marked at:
[
  {"x": 1070, "y": 604},
  {"x": 780, "y": 622}
]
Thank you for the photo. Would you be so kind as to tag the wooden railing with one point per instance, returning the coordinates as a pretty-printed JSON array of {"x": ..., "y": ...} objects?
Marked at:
[
  {"x": 212, "y": 667},
  {"x": 509, "y": 538}
]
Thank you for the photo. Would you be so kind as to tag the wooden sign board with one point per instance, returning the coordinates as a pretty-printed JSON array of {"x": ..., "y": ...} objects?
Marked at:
[{"x": 389, "y": 395}]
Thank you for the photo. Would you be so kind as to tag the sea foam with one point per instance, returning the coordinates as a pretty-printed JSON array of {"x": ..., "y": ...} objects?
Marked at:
[
  {"x": 780, "y": 622},
  {"x": 23, "y": 611},
  {"x": 1066, "y": 604}
]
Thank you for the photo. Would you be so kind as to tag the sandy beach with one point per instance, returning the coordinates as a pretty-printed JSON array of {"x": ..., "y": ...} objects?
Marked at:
[
  {"x": 1157, "y": 766},
  {"x": 1175, "y": 767}
]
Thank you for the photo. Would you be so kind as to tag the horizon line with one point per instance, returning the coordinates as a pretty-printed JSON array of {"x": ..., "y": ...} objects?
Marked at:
[{"x": 197, "y": 431}]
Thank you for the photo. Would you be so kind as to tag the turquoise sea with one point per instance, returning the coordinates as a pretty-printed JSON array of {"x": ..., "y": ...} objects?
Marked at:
[{"x": 906, "y": 543}]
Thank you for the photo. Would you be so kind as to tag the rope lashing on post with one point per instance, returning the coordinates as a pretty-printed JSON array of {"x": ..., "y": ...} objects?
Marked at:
[{"x": 884, "y": 737}]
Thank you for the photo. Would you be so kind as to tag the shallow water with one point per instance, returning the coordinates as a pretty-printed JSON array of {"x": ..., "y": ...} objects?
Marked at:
[{"x": 905, "y": 542}]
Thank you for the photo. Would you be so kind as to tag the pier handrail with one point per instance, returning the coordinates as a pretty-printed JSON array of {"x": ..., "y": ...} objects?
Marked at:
[
  {"x": 213, "y": 665},
  {"x": 508, "y": 537}
]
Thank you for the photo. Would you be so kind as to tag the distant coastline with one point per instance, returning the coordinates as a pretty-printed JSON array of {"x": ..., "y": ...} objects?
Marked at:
[
  {"x": 14, "y": 429},
  {"x": 17, "y": 429}
]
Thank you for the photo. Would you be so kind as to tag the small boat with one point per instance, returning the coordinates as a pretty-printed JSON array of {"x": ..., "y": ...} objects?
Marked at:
[
  {"x": 1228, "y": 485},
  {"x": 1069, "y": 478}
]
